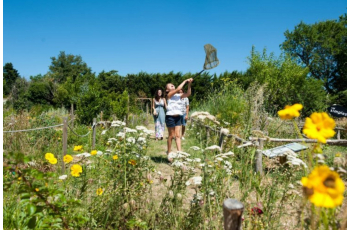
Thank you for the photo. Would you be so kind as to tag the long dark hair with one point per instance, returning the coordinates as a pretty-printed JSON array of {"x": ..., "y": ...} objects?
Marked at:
[{"x": 156, "y": 96}]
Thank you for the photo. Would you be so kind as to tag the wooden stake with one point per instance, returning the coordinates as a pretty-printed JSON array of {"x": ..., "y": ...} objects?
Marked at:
[
  {"x": 64, "y": 141},
  {"x": 208, "y": 134},
  {"x": 258, "y": 157},
  {"x": 233, "y": 210},
  {"x": 93, "y": 133}
]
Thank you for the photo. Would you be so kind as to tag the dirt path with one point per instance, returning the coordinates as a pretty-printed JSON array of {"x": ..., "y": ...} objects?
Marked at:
[{"x": 157, "y": 153}]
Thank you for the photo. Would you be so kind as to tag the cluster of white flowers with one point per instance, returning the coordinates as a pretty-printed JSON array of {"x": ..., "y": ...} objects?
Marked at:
[
  {"x": 293, "y": 160},
  {"x": 83, "y": 155},
  {"x": 197, "y": 197},
  {"x": 128, "y": 130},
  {"x": 63, "y": 177},
  {"x": 121, "y": 134},
  {"x": 117, "y": 123},
  {"x": 142, "y": 140},
  {"x": 195, "y": 181},
  {"x": 195, "y": 148},
  {"x": 224, "y": 131},
  {"x": 225, "y": 155},
  {"x": 205, "y": 115},
  {"x": 131, "y": 140},
  {"x": 213, "y": 148}
]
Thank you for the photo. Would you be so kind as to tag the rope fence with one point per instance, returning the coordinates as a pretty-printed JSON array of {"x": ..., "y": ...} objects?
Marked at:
[
  {"x": 65, "y": 125},
  {"x": 27, "y": 130}
]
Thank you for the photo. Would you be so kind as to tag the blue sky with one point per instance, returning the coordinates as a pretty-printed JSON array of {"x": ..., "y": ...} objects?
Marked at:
[{"x": 152, "y": 36}]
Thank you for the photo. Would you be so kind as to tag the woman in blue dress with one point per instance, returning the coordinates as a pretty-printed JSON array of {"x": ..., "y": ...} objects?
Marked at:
[{"x": 159, "y": 104}]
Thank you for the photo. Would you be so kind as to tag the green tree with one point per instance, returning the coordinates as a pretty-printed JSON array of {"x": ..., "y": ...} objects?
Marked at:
[
  {"x": 286, "y": 82},
  {"x": 111, "y": 81},
  {"x": 65, "y": 66},
  {"x": 41, "y": 92},
  {"x": 71, "y": 73},
  {"x": 19, "y": 96},
  {"x": 322, "y": 47},
  {"x": 10, "y": 75}
]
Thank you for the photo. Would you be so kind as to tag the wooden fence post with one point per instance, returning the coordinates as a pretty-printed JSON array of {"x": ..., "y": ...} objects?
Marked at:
[
  {"x": 64, "y": 141},
  {"x": 127, "y": 113},
  {"x": 71, "y": 111},
  {"x": 93, "y": 133},
  {"x": 208, "y": 134},
  {"x": 338, "y": 134},
  {"x": 221, "y": 139},
  {"x": 101, "y": 119},
  {"x": 233, "y": 210},
  {"x": 258, "y": 157}
]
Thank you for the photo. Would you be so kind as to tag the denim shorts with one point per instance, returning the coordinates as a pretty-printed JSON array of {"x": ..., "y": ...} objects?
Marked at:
[
  {"x": 172, "y": 121},
  {"x": 183, "y": 120}
]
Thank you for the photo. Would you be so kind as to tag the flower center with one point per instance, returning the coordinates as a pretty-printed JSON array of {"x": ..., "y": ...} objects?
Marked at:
[{"x": 329, "y": 182}]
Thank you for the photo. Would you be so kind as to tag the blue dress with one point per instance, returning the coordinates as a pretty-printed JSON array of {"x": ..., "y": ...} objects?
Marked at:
[{"x": 159, "y": 120}]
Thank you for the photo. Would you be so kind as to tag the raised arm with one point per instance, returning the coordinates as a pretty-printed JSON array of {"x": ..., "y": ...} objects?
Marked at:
[
  {"x": 172, "y": 93},
  {"x": 188, "y": 93}
]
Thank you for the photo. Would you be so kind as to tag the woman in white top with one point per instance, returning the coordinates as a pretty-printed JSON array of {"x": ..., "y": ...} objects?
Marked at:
[{"x": 174, "y": 112}]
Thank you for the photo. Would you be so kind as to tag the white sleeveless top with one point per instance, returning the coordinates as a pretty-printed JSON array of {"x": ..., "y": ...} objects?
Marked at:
[{"x": 174, "y": 105}]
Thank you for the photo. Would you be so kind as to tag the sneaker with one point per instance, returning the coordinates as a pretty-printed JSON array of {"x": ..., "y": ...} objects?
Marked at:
[{"x": 182, "y": 138}]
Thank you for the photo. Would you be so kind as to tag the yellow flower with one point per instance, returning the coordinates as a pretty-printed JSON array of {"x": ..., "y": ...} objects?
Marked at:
[
  {"x": 132, "y": 162},
  {"x": 37, "y": 189},
  {"x": 323, "y": 187},
  {"x": 19, "y": 178},
  {"x": 338, "y": 155},
  {"x": 67, "y": 158},
  {"x": 78, "y": 147},
  {"x": 49, "y": 156},
  {"x": 53, "y": 161},
  {"x": 93, "y": 152},
  {"x": 76, "y": 170},
  {"x": 150, "y": 181},
  {"x": 319, "y": 126},
  {"x": 289, "y": 112},
  {"x": 99, "y": 191},
  {"x": 115, "y": 157}
]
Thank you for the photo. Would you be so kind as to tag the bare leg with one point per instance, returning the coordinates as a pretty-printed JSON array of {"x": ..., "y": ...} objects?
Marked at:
[
  {"x": 178, "y": 137},
  {"x": 170, "y": 137},
  {"x": 183, "y": 130}
]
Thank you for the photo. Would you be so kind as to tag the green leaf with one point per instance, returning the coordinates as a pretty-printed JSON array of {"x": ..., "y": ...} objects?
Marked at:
[
  {"x": 32, "y": 222},
  {"x": 24, "y": 196},
  {"x": 31, "y": 209}
]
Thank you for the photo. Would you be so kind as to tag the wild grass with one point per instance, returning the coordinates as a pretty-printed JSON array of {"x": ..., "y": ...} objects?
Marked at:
[{"x": 141, "y": 189}]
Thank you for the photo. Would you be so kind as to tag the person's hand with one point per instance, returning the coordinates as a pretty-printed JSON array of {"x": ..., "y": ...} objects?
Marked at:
[
  {"x": 155, "y": 113},
  {"x": 186, "y": 117},
  {"x": 190, "y": 80}
]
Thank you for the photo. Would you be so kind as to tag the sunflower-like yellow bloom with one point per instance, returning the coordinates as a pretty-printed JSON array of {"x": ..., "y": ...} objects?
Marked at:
[
  {"x": 49, "y": 156},
  {"x": 132, "y": 162},
  {"x": 93, "y": 152},
  {"x": 99, "y": 191},
  {"x": 289, "y": 112},
  {"x": 75, "y": 170},
  {"x": 323, "y": 187},
  {"x": 115, "y": 157},
  {"x": 78, "y": 147},
  {"x": 319, "y": 126},
  {"x": 53, "y": 161},
  {"x": 67, "y": 158}
]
